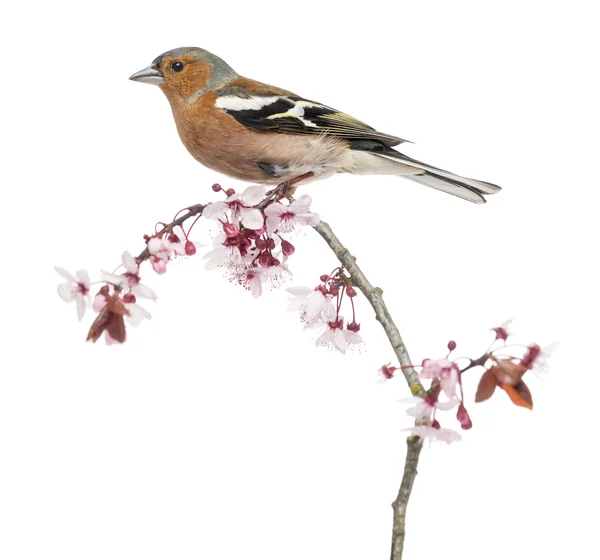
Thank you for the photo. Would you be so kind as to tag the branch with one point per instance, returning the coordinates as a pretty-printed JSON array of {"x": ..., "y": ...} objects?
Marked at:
[
  {"x": 375, "y": 298},
  {"x": 413, "y": 450},
  {"x": 414, "y": 444}
]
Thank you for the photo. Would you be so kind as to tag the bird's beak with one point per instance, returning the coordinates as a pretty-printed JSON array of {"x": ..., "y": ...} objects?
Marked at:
[{"x": 148, "y": 76}]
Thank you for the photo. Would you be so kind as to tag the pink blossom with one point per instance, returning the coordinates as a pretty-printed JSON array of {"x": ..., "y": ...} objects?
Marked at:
[
  {"x": 130, "y": 279},
  {"x": 336, "y": 337},
  {"x": 254, "y": 280},
  {"x": 160, "y": 248},
  {"x": 240, "y": 207},
  {"x": 440, "y": 434},
  {"x": 258, "y": 278},
  {"x": 424, "y": 407},
  {"x": 536, "y": 358},
  {"x": 315, "y": 306},
  {"x": 227, "y": 256},
  {"x": 136, "y": 314},
  {"x": 443, "y": 370},
  {"x": 503, "y": 331},
  {"x": 286, "y": 218},
  {"x": 385, "y": 373},
  {"x": 75, "y": 289}
]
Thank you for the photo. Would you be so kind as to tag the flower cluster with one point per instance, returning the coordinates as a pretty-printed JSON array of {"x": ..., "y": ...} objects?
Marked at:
[
  {"x": 250, "y": 246},
  {"x": 320, "y": 307},
  {"x": 504, "y": 367}
]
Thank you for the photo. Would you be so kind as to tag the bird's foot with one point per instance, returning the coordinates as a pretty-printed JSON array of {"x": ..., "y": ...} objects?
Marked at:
[{"x": 286, "y": 189}]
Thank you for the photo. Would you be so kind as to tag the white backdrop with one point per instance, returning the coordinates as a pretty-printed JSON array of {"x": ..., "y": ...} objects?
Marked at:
[{"x": 219, "y": 430}]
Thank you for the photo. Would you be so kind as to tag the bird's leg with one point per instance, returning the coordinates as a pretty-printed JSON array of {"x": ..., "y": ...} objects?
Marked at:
[
  {"x": 284, "y": 190},
  {"x": 288, "y": 188}
]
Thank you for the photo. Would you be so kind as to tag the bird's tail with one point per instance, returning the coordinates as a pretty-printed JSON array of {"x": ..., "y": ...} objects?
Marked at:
[{"x": 425, "y": 174}]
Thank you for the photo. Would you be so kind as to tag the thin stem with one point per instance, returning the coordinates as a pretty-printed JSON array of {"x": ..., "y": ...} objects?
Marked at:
[{"x": 195, "y": 210}]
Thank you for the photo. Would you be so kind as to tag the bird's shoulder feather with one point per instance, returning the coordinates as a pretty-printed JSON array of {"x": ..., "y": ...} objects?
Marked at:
[{"x": 262, "y": 107}]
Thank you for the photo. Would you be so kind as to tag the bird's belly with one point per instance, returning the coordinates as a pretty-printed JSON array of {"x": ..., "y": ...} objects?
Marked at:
[{"x": 268, "y": 158}]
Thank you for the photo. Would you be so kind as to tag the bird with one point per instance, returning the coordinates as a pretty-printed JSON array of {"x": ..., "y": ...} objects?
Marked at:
[{"x": 264, "y": 134}]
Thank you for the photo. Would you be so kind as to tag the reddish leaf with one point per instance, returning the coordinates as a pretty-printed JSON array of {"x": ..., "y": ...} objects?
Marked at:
[
  {"x": 519, "y": 394},
  {"x": 99, "y": 324},
  {"x": 116, "y": 328},
  {"x": 508, "y": 372},
  {"x": 487, "y": 386},
  {"x": 110, "y": 319}
]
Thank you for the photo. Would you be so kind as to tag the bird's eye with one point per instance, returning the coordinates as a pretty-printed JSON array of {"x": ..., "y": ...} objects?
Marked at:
[{"x": 177, "y": 66}]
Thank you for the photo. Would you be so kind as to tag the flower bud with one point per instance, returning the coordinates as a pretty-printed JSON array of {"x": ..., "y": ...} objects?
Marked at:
[
  {"x": 287, "y": 248},
  {"x": 350, "y": 291},
  {"x": 216, "y": 187},
  {"x": 229, "y": 192},
  {"x": 264, "y": 259},
  {"x": 451, "y": 345},
  {"x": 159, "y": 266},
  {"x": 463, "y": 417},
  {"x": 334, "y": 290},
  {"x": 323, "y": 278},
  {"x": 231, "y": 230},
  {"x": 261, "y": 244},
  {"x": 353, "y": 326},
  {"x": 173, "y": 238},
  {"x": 190, "y": 248},
  {"x": 388, "y": 370}
]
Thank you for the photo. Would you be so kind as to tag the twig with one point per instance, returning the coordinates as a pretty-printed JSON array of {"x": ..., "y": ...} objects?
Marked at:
[
  {"x": 414, "y": 444},
  {"x": 195, "y": 210}
]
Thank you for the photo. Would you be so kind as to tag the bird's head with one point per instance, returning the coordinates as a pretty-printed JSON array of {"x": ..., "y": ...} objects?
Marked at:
[{"x": 186, "y": 73}]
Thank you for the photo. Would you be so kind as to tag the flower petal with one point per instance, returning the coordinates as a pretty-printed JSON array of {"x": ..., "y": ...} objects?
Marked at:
[
  {"x": 301, "y": 205},
  {"x": 275, "y": 209},
  {"x": 299, "y": 291},
  {"x": 449, "y": 405},
  {"x": 214, "y": 210},
  {"x": 129, "y": 262},
  {"x": 273, "y": 222},
  {"x": 66, "y": 275},
  {"x": 115, "y": 279},
  {"x": 80, "y": 303},
  {"x": 253, "y": 195},
  {"x": 141, "y": 290},
  {"x": 84, "y": 278},
  {"x": 66, "y": 292},
  {"x": 252, "y": 218},
  {"x": 137, "y": 314}
]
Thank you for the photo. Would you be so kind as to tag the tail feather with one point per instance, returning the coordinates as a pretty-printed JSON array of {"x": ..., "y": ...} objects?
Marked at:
[
  {"x": 375, "y": 158},
  {"x": 482, "y": 186},
  {"x": 444, "y": 184}
]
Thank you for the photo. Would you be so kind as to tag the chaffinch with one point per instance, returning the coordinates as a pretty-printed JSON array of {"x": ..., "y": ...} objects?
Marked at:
[{"x": 268, "y": 135}]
